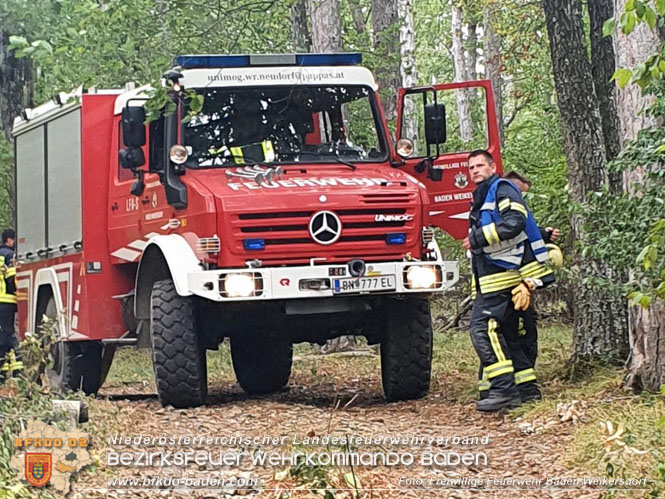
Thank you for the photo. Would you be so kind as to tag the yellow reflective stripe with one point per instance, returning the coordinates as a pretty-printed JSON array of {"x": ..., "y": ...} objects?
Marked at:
[
  {"x": 499, "y": 368},
  {"x": 11, "y": 367},
  {"x": 11, "y": 272},
  {"x": 268, "y": 151},
  {"x": 483, "y": 386},
  {"x": 524, "y": 376},
  {"x": 500, "y": 277},
  {"x": 494, "y": 340},
  {"x": 490, "y": 233},
  {"x": 529, "y": 267},
  {"x": 539, "y": 271},
  {"x": 519, "y": 207},
  {"x": 7, "y": 299},
  {"x": 499, "y": 281},
  {"x": 504, "y": 203},
  {"x": 237, "y": 154}
]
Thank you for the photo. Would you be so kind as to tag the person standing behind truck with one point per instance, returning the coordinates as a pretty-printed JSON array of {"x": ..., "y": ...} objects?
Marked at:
[
  {"x": 7, "y": 304},
  {"x": 508, "y": 256}
]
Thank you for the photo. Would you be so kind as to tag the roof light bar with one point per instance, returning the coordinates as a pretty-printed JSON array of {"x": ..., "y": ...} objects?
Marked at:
[{"x": 242, "y": 61}]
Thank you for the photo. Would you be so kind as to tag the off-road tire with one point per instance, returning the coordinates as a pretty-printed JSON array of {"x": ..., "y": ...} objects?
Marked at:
[
  {"x": 262, "y": 363},
  {"x": 76, "y": 364},
  {"x": 64, "y": 373},
  {"x": 91, "y": 366},
  {"x": 178, "y": 358},
  {"x": 406, "y": 350}
]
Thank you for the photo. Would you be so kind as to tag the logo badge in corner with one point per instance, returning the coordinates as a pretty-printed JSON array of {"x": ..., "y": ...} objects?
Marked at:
[{"x": 38, "y": 468}]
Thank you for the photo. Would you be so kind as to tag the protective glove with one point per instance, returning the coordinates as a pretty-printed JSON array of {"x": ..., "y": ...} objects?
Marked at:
[
  {"x": 555, "y": 255},
  {"x": 521, "y": 296},
  {"x": 522, "y": 293}
]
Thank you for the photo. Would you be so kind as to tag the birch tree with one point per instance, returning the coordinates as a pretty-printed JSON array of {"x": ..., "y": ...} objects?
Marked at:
[
  {"x": 461, "y": 74},
  {"x": 326, "y": 25},
  {"x": 492, "y": 53},
  {"x": 407, "y": 66},
  {"x": 385, "y": 24}
]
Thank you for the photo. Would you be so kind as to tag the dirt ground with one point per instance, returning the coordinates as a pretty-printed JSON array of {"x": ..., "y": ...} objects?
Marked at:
[{"x": 334, "y": 394}]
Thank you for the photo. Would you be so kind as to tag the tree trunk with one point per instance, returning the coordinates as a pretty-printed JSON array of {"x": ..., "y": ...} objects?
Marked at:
[
  {"x": 358, "y": 16},
  {"x": 408, "y": 66},
  {"x": 600, "y": 322},
  {"x": 302, "y": 40},
  {"x": 646, "y": 366},
  {"x": 602, "y": 67},
  {"x": 16, "y": 92},
  {"x": 326, "y": 25},
  {"x": 630, "y": 51},
  {"x": 492, "y": 53},
  {"x": 385, "y": 23},
  {"x": 463, "y": 114},
  {"x": 471, "y": 52}
]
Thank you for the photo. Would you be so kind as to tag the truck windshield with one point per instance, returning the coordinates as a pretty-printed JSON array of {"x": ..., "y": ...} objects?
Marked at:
[{"x": 285, "y": 124}]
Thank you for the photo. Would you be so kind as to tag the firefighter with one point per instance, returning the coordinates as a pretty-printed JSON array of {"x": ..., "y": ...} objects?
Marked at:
[
  {"x": 528, "y": 329},
  {"x": 8, "y": 360},
  {"x": 508, "y": 263}
]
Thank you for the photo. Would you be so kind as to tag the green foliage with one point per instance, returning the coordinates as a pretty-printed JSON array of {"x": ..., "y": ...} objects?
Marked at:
[
  {"x": 624, "y": 229},
  {"x": 652, "y": 14}
]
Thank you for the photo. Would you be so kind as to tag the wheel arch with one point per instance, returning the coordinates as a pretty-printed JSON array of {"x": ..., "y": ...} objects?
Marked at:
[
  {"x": 164, "y": 257},
  {"x": 47, "y": 287}
]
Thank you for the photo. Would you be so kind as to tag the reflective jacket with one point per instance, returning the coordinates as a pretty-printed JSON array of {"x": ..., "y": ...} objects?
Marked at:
[
  {"x": 506, "y": 243},
  {"x": 7, "y": 278}
]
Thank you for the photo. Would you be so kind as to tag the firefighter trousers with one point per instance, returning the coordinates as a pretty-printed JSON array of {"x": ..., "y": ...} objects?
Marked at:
[
  {"x": 8, "y": 340},
  {"x": 528, "y": 332},
  {"x": 494, "y": 334}
]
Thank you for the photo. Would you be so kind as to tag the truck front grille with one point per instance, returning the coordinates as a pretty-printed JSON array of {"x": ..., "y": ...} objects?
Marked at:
[{"x": 286, "y": 234}]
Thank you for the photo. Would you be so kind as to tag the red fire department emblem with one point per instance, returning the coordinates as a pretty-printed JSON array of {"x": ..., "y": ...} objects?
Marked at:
[{"x": 38, "y": 468}]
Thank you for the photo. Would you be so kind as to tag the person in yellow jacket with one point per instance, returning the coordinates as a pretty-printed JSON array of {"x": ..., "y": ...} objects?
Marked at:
[{"x": 8, "y": 360}]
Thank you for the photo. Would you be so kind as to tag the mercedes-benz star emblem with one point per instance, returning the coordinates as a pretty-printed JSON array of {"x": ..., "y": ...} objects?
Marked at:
[{"x": 325, "y": 227}]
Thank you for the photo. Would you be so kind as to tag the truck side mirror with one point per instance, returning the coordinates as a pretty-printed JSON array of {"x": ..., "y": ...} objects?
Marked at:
[
  {"x": 131, "y": 158},
  {"x": 133, "y": 126},
  {"x": 435, "y": 123}
]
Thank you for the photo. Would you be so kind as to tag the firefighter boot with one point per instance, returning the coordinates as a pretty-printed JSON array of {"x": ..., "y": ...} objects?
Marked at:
[
  {"x": 497, "y": 401},
  {"x": 529, "y": 391}
]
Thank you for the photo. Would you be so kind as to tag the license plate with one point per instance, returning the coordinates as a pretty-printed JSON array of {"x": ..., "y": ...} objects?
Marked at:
[{"x": 363, "y": 284}]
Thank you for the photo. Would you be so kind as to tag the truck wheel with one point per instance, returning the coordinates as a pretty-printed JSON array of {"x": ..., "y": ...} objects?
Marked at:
[
  {"x": 64, "y": 373},
  {"x": 91, "y": 366},
  {"x": 262, "y": 363},
  {"x": 178, "y": 358},
  {"x": 406, "y": 350},
  {"x": 76, "y": 365}
]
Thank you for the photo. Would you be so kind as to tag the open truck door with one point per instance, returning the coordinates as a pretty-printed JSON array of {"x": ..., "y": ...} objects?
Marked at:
[{"x": 434, "y": 149}]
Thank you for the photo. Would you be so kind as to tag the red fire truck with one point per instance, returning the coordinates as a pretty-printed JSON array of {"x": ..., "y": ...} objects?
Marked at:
[{"x": 266, "y": 203}]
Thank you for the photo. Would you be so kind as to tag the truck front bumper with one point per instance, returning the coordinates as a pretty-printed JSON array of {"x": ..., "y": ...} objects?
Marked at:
[{"x": 320, "y": 281}]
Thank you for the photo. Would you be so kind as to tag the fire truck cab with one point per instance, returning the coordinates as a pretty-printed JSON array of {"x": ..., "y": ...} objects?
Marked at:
[{"x": 257, "y": 198}]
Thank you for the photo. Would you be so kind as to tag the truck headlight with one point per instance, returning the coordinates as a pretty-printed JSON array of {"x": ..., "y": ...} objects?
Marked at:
[
  {"x": 422, "y": 277},
  {"x": 239, "y": 285}
]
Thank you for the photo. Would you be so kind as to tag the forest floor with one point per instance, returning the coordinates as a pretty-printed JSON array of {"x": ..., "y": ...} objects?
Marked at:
[{"x": 340, "y": 394}]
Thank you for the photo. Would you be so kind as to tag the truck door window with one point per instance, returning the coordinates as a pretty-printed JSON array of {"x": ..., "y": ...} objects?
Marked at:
[{"x": 459, "y": 139}]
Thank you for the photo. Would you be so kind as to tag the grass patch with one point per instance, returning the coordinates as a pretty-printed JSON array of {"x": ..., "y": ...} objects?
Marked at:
[
  {"x": 455, "y": 359},
  {"x": 131, "y": 365}
]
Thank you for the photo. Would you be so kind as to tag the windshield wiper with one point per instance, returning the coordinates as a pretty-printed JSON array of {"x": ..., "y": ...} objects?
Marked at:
[{"x": 337, "y": 159}]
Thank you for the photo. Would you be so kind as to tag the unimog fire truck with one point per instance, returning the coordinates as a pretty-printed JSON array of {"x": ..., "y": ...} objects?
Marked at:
[{"x": 265, "y": 203}]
